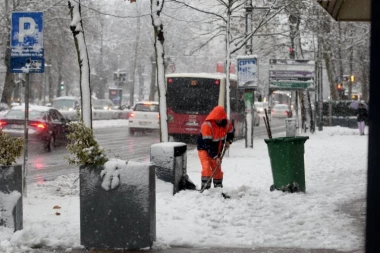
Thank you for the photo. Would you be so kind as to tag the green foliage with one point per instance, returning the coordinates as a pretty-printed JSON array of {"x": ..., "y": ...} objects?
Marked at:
[
  {"x": 84, "y": 147},
  {"x": 10, "y": 149}
]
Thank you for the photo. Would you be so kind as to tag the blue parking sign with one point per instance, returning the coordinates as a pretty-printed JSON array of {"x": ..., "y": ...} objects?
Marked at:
[
  {"x": 27, "y": 53},
  {"x": 27, "y": 30}
]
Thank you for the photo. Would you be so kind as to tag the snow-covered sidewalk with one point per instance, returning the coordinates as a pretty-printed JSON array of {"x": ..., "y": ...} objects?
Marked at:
[{"x": 335, "y": 167}]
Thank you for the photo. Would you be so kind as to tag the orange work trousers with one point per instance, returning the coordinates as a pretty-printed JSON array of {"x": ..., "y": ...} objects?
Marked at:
[{"x": 209, "y": 165}]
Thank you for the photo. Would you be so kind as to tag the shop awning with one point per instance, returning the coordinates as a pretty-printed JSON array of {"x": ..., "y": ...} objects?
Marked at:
[{"x": 348, "y": 10}]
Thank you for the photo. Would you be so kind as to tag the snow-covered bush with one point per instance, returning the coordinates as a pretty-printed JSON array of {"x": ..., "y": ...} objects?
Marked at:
[
  {"x": 83, "y": 146},
  {"x": 10, "y": 149}
]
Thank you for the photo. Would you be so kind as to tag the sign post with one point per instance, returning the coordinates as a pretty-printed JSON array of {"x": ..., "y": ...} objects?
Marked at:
[
  {"x": 247, "y": 69},
  {"x": 27, "y": 56}
]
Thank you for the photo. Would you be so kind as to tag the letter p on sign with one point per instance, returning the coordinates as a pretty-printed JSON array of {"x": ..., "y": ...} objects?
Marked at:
[
  {"x": 27, "y": 27},
  {"x": 27, "y": 30}
]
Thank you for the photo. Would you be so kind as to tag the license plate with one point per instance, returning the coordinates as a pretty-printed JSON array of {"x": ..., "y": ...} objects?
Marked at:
[
  {"x": 192, "y": 124},
  {"x": 145, "y": 123},
  {"x": 17, "y": 126}
]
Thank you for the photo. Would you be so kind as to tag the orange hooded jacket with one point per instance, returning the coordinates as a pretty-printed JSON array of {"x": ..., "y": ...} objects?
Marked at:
[{"x": 212, "y": 136}]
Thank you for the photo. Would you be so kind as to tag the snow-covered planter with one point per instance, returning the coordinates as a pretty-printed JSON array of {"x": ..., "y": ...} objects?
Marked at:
[
  {"x": 117, "y": 198},
  {"x": 117, "y": 205},
  {"x": 11, "y": 214}
]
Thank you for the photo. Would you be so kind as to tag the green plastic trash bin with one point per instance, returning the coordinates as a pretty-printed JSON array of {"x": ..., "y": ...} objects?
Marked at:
[{"x": 287, "y": 161}]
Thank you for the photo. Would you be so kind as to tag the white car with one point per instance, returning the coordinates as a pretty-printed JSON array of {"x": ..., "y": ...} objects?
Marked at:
[
  {"x": 144, "y": 117},
  {"x": 260, "y": 106},
  {"x": 280, "y": 111}
]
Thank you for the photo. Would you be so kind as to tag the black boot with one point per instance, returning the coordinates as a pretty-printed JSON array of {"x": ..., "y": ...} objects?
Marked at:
[
  {"x": 218, "y": 183},
  {"x": 204, "y": 181}
]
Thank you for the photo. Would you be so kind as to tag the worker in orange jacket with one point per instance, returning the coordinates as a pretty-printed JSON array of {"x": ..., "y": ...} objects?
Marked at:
[{"x": 216, "y": 130}]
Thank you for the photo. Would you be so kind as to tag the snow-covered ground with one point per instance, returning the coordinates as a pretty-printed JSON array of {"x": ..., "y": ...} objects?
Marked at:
[{"x": 335, "y": 167}]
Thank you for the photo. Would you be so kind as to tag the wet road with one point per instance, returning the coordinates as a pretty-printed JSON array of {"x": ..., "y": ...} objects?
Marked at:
[{"x": 46, "y": 166}]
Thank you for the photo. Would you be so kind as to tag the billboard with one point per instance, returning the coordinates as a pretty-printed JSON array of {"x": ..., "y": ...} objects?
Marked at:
[
  {"x": 247, "y": 71},
  {"x": 115, "y": 94},
  {"x": 291, "y": 74}
]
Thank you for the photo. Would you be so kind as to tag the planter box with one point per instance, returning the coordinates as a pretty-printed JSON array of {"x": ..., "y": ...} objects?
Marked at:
[
  {"x": 122, "y": 218},
  {"x": 11, "y": 214}
]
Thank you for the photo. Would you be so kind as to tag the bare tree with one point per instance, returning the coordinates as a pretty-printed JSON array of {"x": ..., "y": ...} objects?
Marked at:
[
  {"x": 156, "y": 8},
  {"x": 84, "y": 64}
]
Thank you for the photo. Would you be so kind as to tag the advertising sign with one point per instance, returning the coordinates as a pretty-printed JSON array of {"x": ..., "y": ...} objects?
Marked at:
[
  {"x": 291, "y": 74},
  {"x": 247, "y": 71},
  {"x": 115, "y": 94}
]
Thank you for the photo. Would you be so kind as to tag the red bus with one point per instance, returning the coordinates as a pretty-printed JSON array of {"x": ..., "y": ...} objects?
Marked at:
[{"x": 191, "y": 97}]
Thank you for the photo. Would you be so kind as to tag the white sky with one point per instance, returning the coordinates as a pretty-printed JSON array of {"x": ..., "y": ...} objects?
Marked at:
[{"x": 335, "y": 167}]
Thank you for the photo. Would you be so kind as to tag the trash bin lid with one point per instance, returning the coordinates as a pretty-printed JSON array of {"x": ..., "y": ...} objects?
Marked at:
[
  {"x": 290, "y": 120},
  {"x": 287, "y": 139}
]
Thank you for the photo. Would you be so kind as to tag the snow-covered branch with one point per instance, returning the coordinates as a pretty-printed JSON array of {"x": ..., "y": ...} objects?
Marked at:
[{"x": 200, "y": 10}]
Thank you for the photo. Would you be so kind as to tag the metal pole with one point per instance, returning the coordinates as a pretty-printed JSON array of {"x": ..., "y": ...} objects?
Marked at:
[
  {"x": 25, "y": 171},
  {"x": 44, "y": 87},
  {"x": 249, "y": 94},
  {"x": 320, "y": 127}
]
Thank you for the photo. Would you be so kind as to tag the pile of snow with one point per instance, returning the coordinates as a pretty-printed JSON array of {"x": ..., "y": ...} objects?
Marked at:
[{"x": 335, "y": 167}]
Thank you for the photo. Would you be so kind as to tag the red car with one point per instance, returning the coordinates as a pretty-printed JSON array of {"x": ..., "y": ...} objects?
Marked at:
[{"x": 47, "y": 126}]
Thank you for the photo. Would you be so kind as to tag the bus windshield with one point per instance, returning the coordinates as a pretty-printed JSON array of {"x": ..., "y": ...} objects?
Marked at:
[{"x": 191, "y": 95}]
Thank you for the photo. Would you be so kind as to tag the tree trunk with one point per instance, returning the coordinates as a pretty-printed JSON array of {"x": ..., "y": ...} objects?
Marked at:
[
  {"x": 76, "y": 28},
  {"x": 156, "y": 7},
  {"x": 152, "y": 89},
  {"x": 9, "y": 83},
  {"x": 132, "y": 88},
  {"x": 330, "y": 69},
  {"x": 350, "y": 83}
]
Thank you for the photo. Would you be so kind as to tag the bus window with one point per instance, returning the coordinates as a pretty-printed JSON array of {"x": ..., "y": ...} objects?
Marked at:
[{"x": 192, "y": 95}]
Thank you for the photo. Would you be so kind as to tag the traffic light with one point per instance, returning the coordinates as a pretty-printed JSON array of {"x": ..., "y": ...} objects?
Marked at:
[
  {"x": 123, "y": 77},
  {"x": 352, "y": 78},
  {"x": 62, "y": 86},
  {"x": 339, "y": 86}
]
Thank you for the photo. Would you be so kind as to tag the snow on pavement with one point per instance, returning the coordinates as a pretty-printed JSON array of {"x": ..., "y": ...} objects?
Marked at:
[{"x": 335, "y": 168}]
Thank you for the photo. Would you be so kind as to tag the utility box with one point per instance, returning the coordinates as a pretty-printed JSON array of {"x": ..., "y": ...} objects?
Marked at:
[
  {"x": 290, "y": 125},
  {"x": 171, "y": 161}
]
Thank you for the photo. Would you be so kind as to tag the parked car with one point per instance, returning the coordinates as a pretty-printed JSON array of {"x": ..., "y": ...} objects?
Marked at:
[
  {"x": 280, "y": 111},
  {"x": 260, "y": 106},
  {"x": 4, "y": 107},
  {"x": 66, "y": 103},
  {"x": 15, "y": 104},
  {"x": 102, "y": 104},
  {"x": 47, "y": 126},
  {"x": 144, "y": 117}
]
